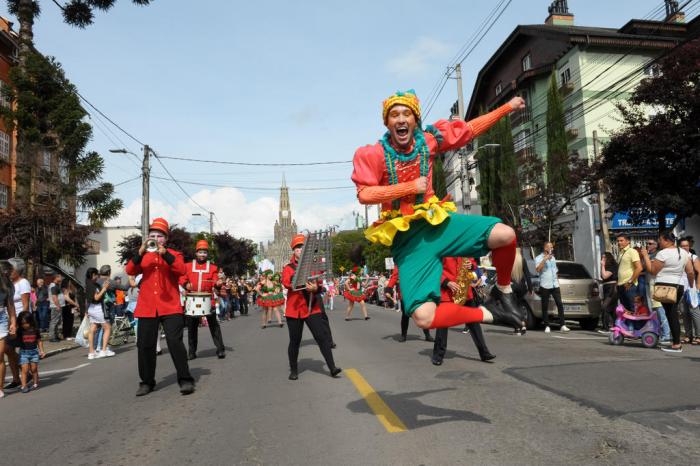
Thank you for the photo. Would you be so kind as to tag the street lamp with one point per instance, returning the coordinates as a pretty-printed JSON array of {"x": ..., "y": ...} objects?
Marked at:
[
  {"x": 146, "y": 181},
  {"x": 211, "y": 221}
]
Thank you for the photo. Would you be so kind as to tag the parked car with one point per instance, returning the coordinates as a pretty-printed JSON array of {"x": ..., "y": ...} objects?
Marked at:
[{"x": 579, "y": 294}]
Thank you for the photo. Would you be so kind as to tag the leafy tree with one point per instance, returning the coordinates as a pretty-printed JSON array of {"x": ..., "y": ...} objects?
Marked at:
[
  {"x": 557, "y": 147},
  {"x": 652, "y": 165},
  {"x": 342, "y": 245},
  {"x": 178, "y": 239},
  {"x": 235, "y": 256}
]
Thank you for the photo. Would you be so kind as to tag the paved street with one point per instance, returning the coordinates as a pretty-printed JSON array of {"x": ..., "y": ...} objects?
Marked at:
[{"x": 558, "y": 399}]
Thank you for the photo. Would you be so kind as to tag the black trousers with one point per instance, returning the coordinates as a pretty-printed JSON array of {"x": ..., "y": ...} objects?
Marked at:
[
  {"x": 555, "y": 293},
  {"x": 244, "y": 304},
  {"x": 320, "y": 333},
  {"x": 327, "y": 324},
  {"x": 672, "y": 312},
  {"x": 404, "y": 326},
  {"x": 147, "y": 338},
  {"x": 67, "y": 316},
  {"x": 609, "y": 304},
  {"x": 192, "y": 324},
  {"x": 440, "y": 346}
]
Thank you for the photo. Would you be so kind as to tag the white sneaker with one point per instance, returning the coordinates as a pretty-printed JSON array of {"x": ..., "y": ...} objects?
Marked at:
[
  {"x": 92, "y": 356},
  {"x": 107, "y": 353},
  {"x": 564, "y": 329},
  {"x": 547, "y": 329}
]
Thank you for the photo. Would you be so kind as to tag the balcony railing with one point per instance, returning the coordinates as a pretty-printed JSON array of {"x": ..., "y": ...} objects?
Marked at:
[
  {"x": 524, "y": 153},
  {"x": 566, "y": 88},
  {"x": 519, "y": 117}
]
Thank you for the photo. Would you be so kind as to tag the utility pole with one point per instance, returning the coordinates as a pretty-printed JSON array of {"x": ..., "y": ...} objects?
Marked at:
[
  {"x": 460, "y": 94},
  {"x": 601, "y": 200},
  {"x": 366, "y": 216},
  {"x": 146, "y": 178},
  {"x": 211, "y": 224}
]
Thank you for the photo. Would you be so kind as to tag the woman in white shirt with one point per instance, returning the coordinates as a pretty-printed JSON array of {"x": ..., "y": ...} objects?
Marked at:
[
  {"x": 22, "y": 291},
  {"x": 669, "y": 266}
]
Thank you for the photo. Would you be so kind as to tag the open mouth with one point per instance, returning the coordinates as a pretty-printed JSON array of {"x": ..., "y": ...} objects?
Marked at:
[{"x": 402, "y": 132}]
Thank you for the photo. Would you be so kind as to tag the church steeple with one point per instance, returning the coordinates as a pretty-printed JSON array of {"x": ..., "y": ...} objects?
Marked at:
[{"x": 285, "y": 213}]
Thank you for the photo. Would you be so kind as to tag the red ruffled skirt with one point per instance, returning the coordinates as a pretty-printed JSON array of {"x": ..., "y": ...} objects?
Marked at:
[{"x": 354, "y": 295}]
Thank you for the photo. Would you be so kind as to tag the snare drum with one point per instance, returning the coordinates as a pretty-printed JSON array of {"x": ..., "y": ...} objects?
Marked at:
[{"x": 198, "y": 304}]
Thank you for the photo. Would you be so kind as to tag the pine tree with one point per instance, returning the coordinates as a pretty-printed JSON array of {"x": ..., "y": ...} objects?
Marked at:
[{"x": 557, "y": 147}]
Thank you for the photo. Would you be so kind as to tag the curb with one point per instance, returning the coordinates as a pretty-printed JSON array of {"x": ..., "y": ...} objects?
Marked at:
[{"x": 61, "y": 350}]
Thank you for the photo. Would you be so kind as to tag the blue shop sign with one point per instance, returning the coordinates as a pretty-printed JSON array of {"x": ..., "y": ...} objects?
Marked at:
[{"x": 621, "y": 221}]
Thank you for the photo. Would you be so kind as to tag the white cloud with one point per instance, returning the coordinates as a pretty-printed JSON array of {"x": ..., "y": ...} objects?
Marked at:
[
  {"x": 252, "y": 219},
  {"x": 423, "y": 56}
]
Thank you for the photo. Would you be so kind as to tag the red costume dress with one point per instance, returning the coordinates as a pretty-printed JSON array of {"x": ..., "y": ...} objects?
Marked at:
[{"x": 353, "y": 289}]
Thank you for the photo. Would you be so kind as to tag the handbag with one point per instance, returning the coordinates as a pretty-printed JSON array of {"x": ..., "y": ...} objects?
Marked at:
[{"x": 665, "y": 293}]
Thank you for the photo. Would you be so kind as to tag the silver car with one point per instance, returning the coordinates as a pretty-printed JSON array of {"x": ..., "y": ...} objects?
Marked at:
[{"x": 579, "y": 294}]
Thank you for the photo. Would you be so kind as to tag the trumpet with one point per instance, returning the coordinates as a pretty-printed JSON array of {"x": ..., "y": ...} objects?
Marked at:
[{"x": 151, "y": 245}]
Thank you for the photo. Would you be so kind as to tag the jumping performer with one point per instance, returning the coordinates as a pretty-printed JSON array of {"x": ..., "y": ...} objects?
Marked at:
[
  {"x": 304, "y": 307},
  {"x": 159, "y": 303},
  {"x": 354, "y": 294},
  {"x": 391, "y": 285},
  {"x": 422, "y": 229},
  {"x": 456, "y": 286},
  {"x": 201, "y": 277}
]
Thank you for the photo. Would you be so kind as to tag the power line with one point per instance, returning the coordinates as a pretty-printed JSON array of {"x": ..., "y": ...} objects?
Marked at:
[
  {"x": 251, "y": 164},
  {"x": 177, "y": 183},
  {"x": 250, "y": 188}
]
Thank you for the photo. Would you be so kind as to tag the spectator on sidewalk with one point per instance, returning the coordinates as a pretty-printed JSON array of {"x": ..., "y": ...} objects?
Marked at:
[
  {"x": 690, "y": 307},
  {"x": 95, "y": 295},
  {"x": 608, "y": 275},
  {"x": 629, "y": 267},
  {"x": 42, "y": 305},
  {"x": 546, "y": 266},
  {"x": 119, "y": 297},
  {"x": 69, "y": 310},
  {"x": 665, "y": 339},
  {"x": 8, "y": 327},
  {"x": 31, "y": 349},
  {"x": 56, "y": 302}
]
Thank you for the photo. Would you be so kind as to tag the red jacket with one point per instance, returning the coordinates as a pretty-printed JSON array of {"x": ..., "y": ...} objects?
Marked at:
[
  {"x": 450, "y": 267},
  {"x": 202, "y": 277},
  {"x": 394, "y": 277},
  {"x": 297, "y": 301},
  {"x": 159, "y": 295}
]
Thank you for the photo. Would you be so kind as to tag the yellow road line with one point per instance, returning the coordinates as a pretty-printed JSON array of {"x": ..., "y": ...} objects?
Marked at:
[{"x": 386, "y": 416}]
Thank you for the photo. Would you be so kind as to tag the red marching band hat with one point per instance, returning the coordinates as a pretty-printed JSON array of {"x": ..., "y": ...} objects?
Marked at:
[
  {"x": 202, "y": 244},
  {"x": 160, "y": 224},
  {"x": 297, "y": 240}
]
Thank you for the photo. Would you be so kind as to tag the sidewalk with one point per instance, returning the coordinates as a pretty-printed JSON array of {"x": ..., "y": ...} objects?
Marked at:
[{"x": 52, "y": 348}]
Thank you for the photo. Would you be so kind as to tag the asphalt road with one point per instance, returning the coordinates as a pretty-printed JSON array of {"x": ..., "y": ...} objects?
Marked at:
[{"x": 556, "y": 399}]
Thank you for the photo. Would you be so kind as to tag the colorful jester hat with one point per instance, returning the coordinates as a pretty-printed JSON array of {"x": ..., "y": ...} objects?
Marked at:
[{"x": 407, "y": 98}]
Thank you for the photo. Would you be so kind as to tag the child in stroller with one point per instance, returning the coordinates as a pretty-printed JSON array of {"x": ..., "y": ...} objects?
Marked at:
[{"x": 638, "y": 324}]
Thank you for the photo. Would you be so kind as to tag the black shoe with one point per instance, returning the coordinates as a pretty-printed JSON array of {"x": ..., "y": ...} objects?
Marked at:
[
  {"x": 144, "y": 389},
  {"x": 191, "y": 356},
  {"x": 436, "y": 362},
  {"x": 221, "y": 354},
  {"x": 402, "y": 338},
  {"x": 487, "y": 356},
  {"x": 187, "y": 387},
  {"x": 429, "y": 338},
  {"x": 11, "y": 385},
  {"x": 293, "y": 375},
  {"x": 333, "y": 345},
  {"x": 504, "y": 308},
  {"x": 367, "y": 318},
  {"x": 335, "y": 371},
  {"x": 159, "y": 353},
  {"x": 281, "y": 325}
]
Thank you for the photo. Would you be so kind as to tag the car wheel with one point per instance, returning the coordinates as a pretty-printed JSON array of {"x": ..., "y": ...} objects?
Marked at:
[
  {"x": 649, "y": 340},
  {"x": 530, "y": 319},
  {"x": 589, "y": 324},
  {"x": 616, "y": 339}
]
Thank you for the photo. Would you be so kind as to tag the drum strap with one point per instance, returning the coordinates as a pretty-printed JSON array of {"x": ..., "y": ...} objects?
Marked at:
[{"x": 199, "y": 272}]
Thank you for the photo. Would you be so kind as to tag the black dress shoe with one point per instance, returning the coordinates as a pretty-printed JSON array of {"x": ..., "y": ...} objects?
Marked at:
[
  {"x": 402, "y": 338},
  {"x": 144, "y": 389},
  {"x": 429, "y": 338},
  {"x": 367, "y": 318},
  {"x": 220, "y": 354},
  {"x": 11, "y": 385},
  {"x": 335, "y": 371},
  {"x": 333, "y": 345},
  {"x": 191, "y": 356},
  {"x": 293, "y": 375},
  {"x": 504, "y": 308},
  {"x": 436, "y": 362},
  {"x": 187, "y": 387},
  {"x": 487, "y": 356}
]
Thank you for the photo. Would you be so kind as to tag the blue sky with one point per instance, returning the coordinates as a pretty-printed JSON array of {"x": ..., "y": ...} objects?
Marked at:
[{"x": 270, "y": 81}]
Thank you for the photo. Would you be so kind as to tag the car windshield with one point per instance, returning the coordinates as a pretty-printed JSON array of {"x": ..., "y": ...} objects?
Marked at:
[{"x": 572, "y": 271}]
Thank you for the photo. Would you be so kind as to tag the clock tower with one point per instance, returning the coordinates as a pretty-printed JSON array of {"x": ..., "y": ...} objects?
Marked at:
[{"x": 278, "y": 251}]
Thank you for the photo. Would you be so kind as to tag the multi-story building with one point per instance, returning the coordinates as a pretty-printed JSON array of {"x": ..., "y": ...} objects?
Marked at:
[
  {"x": 595, "y": 68},
  {"x": 278, "y": 251},
  {"x": 8, "y": 138}
]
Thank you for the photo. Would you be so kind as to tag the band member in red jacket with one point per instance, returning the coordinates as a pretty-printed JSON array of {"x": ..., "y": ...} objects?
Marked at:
[
  {"x": 304, "y": 307},
  {"x": 392, "y": 284},
  {"x": 159, "y": 304},
  {"x": 201, "y": 276},
  {"x": 448, "y": 287}
]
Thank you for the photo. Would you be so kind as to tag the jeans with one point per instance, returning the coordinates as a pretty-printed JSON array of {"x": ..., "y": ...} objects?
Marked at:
[
  {"x": 627, "y": 296},
  {"x": 663, "y": 321},
  {"x": 43, "y": 312},
  {"x": 223, "y": 307}
]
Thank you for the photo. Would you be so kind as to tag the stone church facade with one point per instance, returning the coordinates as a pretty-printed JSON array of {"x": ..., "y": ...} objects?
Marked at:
[{"x": 278, "y": 251}]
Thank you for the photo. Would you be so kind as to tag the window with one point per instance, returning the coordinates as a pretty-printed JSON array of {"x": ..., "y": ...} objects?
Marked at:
[
  {"x": 568, "y": 118},
  {"x": 46, "y": 160},
  {"x": 565, "y": 76},
  {"x": 527, "y": 62},
  {"x": 63, "y": 171},
  {"x": 499, "y": 89},
  {"x": 521, "y": 140},
  {"x": 652, "y": 71},
  {"x": 4, "y": 146},
  {"x": 4, "y": 196},
  {"x": 4, "y": 102}
]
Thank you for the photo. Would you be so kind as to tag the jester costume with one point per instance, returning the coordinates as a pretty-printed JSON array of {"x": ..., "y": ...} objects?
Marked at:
[
  {"x": 420, "y": 228},
  {"x": 353, "y": 288}
]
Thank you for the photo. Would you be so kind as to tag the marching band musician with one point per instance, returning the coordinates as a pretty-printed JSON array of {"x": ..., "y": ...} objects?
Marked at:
[
  {"x": 159, "y": 304},
  {"x": 392, "y": 284},
  {"x": 304, "y": 307},
  {"x": 450, "y": 286},
  {"x": 200, "y": 276}
]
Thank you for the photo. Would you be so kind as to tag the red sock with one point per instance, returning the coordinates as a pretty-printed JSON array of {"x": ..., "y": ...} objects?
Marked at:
[
  {"x": 451, "y": 314},
  {"x": 503, "y": 259}
]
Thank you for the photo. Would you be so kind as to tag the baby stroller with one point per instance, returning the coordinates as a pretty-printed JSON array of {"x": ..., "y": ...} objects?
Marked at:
[{"x": 646, "y": 328}]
